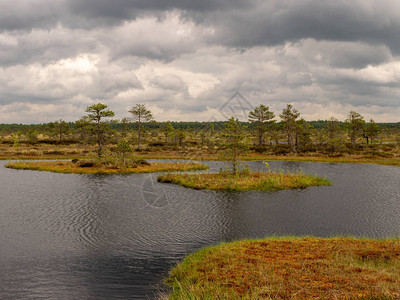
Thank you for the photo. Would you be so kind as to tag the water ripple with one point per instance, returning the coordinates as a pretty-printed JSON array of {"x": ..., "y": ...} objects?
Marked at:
[{"x": 91, "y": 236}]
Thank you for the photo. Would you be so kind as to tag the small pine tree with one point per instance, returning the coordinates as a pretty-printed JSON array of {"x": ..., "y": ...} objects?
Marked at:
[
  {"x": 235, "y": 142},
  {"x": 371, "y": 131},
  {"x": 96, "y": 114},
  {"x": 140, "y": 114},
  {"x": 122, "y": 150},
  {"x": 289, "y": 116},
  {"x": 168, "y": 130},
  {"x": 355, "y": 124},
  {"x": 263, "y": 117}
]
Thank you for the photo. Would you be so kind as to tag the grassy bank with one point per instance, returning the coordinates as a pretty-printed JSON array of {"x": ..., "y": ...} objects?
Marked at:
[
  {"x": 244, "y": 181},
  {"x": 291, "y": 268},
  {"x": 353, "y": 159},
  {"x": 57, "y": 152},
  {"x": 70, "y": 167}
]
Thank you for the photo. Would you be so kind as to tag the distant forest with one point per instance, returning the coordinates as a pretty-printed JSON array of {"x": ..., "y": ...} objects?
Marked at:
[{"x": 220, "y": 125}]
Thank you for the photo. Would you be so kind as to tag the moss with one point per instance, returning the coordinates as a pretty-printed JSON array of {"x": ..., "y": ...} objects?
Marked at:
[{"x": 291, "y": 268}]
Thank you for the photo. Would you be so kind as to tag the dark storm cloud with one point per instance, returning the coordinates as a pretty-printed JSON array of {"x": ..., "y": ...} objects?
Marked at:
[
  {"x": 44, "y": 46},
  {"x": 26, "y": 15},
  {"x": 276, "y": 22},
  {"x": 356, "y": 56},
  {"x": 125, "y": 9},
  {"x": 238, "y": 23},
  {"x": 188, "y": 57},
  {"x": 251, "y": 23}
]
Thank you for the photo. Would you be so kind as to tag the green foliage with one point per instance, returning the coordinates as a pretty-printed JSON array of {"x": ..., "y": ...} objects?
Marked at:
[
  {"x": 96, "y": 115},
  {"x": 289, "y": 116},
  {"x": 140, "y": 114},
  {"x": 32, "y": 136},
  {"x": 83, "y": 129},
  {"x": 168, "y": 130},
  {"x": 371, "y": 131},
  {"x": 180, "y": 136},
  {"x": 262, "y": 116},
  {"x": 303, "y": 134},
  {"x": 124, "y": 129},
  {"x": 16, "y": 137},
  {"x": 235, "y": 142},
  {"x": 355, "y": 124},
  {"x": 122, "y": 149}
]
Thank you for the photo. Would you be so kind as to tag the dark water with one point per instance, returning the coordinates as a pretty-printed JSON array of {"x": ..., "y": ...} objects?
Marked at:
[{"x": 65, "y": 236}]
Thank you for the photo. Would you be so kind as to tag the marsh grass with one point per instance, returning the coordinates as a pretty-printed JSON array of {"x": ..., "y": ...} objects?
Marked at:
[
  {"x": 353, "y": 159},
  {"x": 291, "y": 268},
  {"x": 70, "y": 167},
  {"x": 76, "y": 151},
  {"x": 244, "y": 181}
]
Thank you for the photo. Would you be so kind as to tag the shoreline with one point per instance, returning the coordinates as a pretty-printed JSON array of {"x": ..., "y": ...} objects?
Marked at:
[
  {"x": 69, "y": 167},
  {"x": 244, "y": 181},
  {"x": 393, "y": 161}
]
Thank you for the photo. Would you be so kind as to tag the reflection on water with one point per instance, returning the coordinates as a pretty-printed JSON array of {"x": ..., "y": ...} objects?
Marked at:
[{"x": 115, "y": 237}]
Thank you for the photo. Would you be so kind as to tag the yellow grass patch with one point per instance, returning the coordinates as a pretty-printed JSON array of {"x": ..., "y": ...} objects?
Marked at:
[
  {"x": 69, "y": 167},
  {"x": 244, "y": 182}
]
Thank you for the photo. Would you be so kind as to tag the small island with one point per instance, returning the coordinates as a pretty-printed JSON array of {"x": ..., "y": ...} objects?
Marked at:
[
  {"x": 291, "y": 268},
  {"x": 94, "y": 167},
  {"x": 244, "y": 181}
]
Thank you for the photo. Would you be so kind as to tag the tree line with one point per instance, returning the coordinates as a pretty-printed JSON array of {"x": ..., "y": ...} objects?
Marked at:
[{"x": 286, "y": 131}]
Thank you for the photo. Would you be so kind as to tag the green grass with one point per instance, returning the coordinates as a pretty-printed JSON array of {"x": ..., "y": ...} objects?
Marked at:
[
  {"x": 247, "y": 181},
  {"x": 291, "y": 268},
  {"x": 69, "y": 167}
]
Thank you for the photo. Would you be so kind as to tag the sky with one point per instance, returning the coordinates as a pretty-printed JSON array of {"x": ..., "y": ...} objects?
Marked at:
[{"x": 199, "y": 60}]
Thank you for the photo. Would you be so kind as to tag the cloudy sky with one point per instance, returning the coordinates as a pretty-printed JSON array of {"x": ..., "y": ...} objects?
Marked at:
[{"x": 186, "y": 59}]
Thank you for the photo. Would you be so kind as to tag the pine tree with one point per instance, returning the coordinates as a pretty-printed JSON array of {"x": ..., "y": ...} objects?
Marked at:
[
  {"x": 263, "y": 117},
  {"x": 234, "y": 133},
  {"x": 140, "y": 114},
  {"x": 355, "y": 124},
  {"x": 96, "y": 114},
  {"x": 289, "y": 116}
]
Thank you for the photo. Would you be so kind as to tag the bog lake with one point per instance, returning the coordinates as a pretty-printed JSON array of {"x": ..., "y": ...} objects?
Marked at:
[{"x": 70, "y": 236}]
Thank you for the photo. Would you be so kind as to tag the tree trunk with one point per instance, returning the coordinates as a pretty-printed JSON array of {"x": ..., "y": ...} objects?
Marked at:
[
  {"x": 260, "y": 134},
  {"x": 98, "y": 139},
  {"x": 139, "y": 135},
  {"x": 235, "y": 156}
]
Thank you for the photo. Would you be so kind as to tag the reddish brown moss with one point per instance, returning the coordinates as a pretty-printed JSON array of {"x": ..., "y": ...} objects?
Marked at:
[{"x": 339, "y": 268}]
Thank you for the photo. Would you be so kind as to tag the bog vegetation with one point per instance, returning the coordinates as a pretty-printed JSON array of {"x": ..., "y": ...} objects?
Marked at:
[
  {"x": 244, "y": 180},
  {"x": 291, "y": 268},
  {"x": 103, "y": 166},
  {"x": 283, "y": 135}
]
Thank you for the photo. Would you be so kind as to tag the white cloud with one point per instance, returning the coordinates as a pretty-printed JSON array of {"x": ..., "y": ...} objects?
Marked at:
[{"x": 185, "y": 60}]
